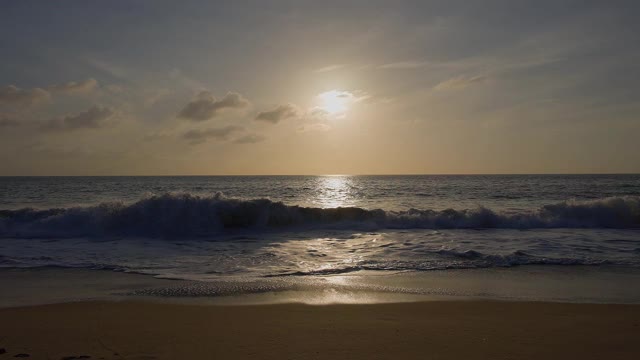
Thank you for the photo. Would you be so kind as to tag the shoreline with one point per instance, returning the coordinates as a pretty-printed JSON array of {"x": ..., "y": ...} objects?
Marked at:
[
  {"x": 561, "y": 284},
  {"x": 417, "y": 330},
  {"x": 527, "y": 312}
]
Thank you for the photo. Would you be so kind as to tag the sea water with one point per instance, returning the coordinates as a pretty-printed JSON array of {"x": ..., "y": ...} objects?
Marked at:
[{"x": 212, "y": 228}]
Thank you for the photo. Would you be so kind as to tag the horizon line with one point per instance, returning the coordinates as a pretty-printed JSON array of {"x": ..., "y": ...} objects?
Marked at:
[{"x": 292, "y": 175}]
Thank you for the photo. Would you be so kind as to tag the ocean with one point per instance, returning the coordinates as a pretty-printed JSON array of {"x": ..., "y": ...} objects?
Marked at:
[{"x": 252, "y": 228}]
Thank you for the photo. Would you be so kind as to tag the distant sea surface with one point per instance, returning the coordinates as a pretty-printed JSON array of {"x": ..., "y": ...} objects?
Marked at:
[{"x": 213, "y": 227}]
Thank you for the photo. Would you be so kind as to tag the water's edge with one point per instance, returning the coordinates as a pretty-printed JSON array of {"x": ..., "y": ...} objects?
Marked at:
[{"x": 526, "y": 283}]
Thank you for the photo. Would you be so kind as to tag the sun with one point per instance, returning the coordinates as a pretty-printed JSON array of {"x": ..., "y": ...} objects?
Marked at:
[{"x": 335, "y": 102}]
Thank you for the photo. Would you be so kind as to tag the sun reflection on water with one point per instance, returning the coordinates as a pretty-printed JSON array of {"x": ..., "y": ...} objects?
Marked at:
[{"x": 335, "y": 191}]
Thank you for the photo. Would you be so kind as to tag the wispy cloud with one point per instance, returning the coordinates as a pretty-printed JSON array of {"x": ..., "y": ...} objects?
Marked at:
[
  {"x": 460, "y": 82},
  {"x": 106, "y": 67},
  {"x": 317, "y": 127},
  {"x": 250, "y": 139},
  {"x": 73, "y": 87},
  {"x": 404, "y": 65},
  {"x": 178, "y": 76},
  {"x": 329, "y": 68}
]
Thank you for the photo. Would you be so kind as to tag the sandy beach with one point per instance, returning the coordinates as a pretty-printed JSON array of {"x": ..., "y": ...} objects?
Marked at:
[
  {"x": 423, "y": 330},
  {"x": 310, "y": 180}
]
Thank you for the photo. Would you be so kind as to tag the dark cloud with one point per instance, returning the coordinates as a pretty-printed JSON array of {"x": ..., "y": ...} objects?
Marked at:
[
  {"x": 281, "y": 112},
  {"x": 73, "y": 87},
  {"x": 205, "y": 106},
  {"x": 95, "y": 117},
  {"x": 12, "y": 94},
  {"x": 250, "y": 139},
  {"x": 223, "y": 133},
  {"x": 6, "y": 122}
]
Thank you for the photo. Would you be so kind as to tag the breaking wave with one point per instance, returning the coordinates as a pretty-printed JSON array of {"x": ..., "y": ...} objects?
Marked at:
[{"x": 183, "y": 215}]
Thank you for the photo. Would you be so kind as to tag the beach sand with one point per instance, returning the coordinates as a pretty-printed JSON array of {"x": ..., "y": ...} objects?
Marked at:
[{"x": 422, "y": 330}]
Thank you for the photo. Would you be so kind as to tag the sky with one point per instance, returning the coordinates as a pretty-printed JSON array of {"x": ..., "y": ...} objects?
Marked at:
[{"x": 319, "y": 87}]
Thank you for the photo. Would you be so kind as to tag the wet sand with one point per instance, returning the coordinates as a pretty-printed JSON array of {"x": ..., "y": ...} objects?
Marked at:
[{"x": 422, "y": 330}]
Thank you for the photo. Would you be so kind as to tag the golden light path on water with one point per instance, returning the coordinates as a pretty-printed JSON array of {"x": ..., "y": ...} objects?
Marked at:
[{"x": 335, "y": 191}]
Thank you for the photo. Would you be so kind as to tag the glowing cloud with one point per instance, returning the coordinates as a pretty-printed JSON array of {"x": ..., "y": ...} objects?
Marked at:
[{"x": 335, "y": 102}]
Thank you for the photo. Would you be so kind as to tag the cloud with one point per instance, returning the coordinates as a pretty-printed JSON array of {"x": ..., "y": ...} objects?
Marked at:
[
  {"x": 316, "y": 115},
  {"x": 114, "y": 88},
  {"x": 95, "y": 117},
  {"x": 153, "y": 96},
  {"x": 460, "y": 82},
  {"x": 12, "y": 94},
  {"x": 318, "y": 127},
  {"x": 315, "y": 120},
  {"x": 250, "y": 139},
  {"x": 329, "y": 68},
  {"x": 73, "y": 87},
  {"x": 177, "y": 76},
  {"x": 318, "y": 112},
  {"x": 223, "y": 133},
  {"x": 281, "y": 112},
  {"x": 108, "y": 68},
  {"x": 205, "y": 106},
  {"x": 158, "y": 135},
  {"x": 404, "y": 65},
  {"x": 6, "y": 122}
]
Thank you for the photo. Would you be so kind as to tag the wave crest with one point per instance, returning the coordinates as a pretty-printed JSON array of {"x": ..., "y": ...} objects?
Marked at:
[{"x": 182, "y": 215}]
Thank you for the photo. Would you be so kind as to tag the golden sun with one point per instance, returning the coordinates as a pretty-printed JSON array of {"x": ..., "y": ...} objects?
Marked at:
[{"x": 335, "y": 102}]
